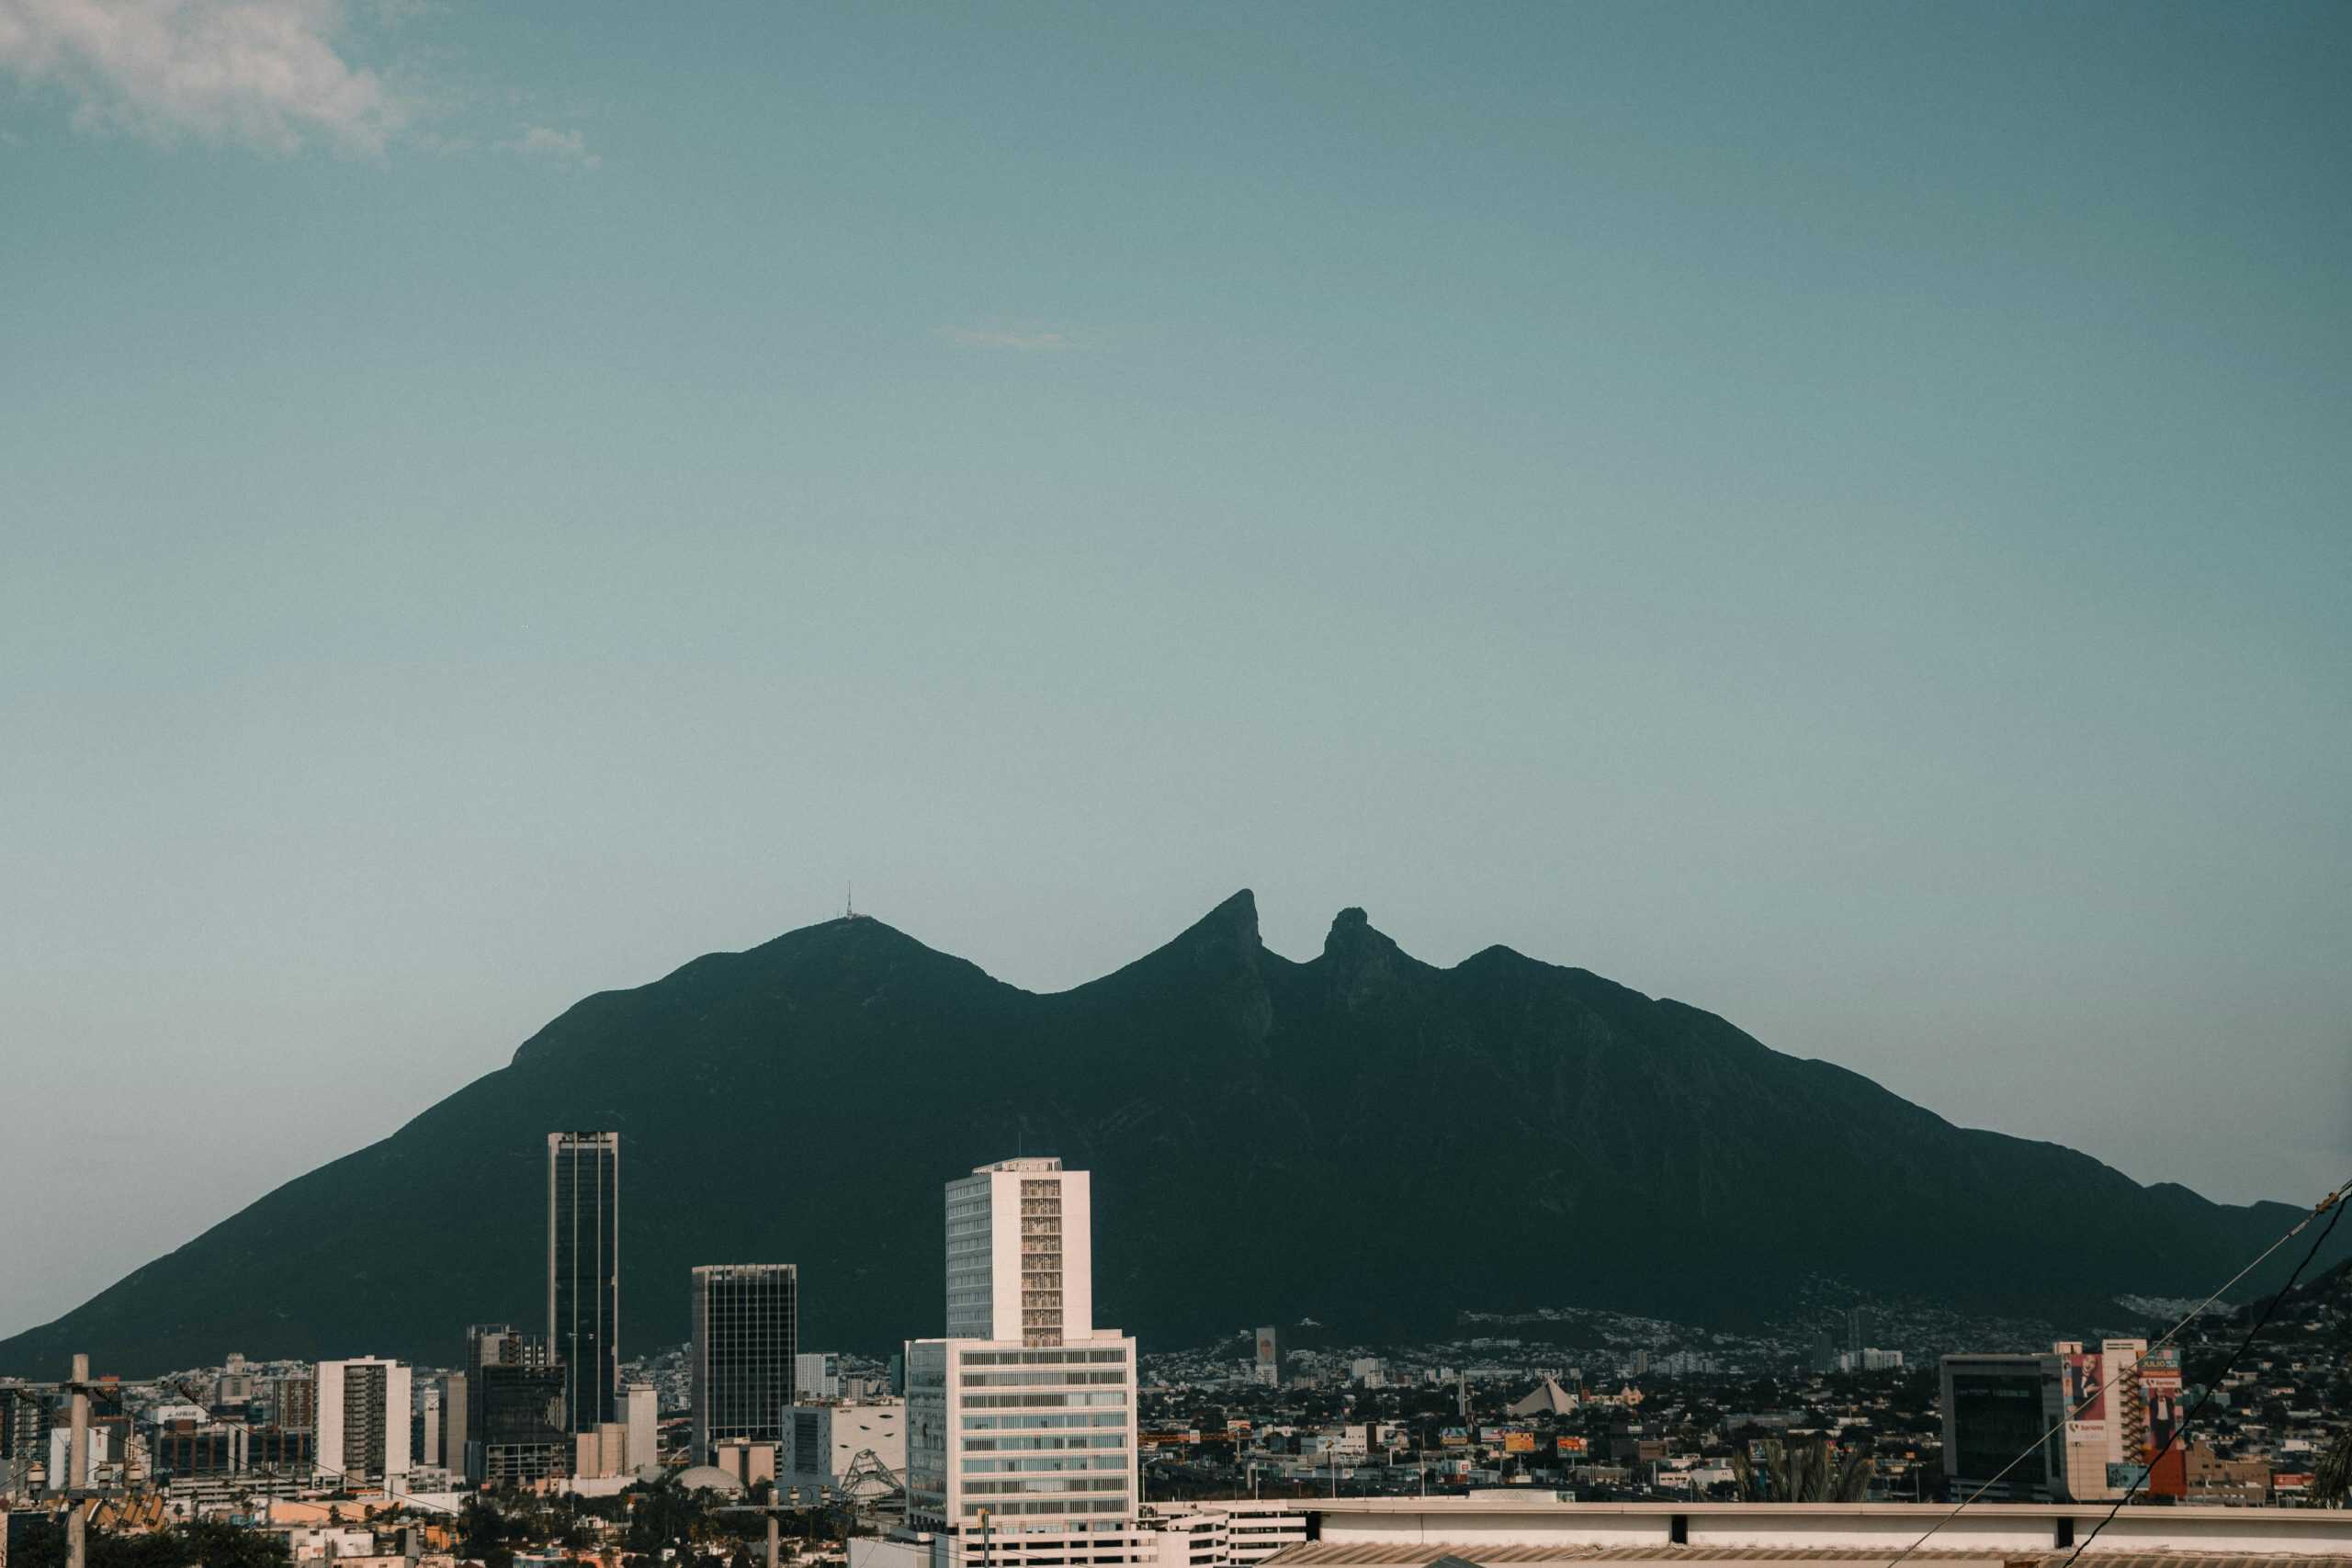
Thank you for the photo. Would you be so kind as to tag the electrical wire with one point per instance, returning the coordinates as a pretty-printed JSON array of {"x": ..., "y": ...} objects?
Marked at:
[
  {"x": 2180, "y": 1427},
  {"x": 2333, "y": 1201}
]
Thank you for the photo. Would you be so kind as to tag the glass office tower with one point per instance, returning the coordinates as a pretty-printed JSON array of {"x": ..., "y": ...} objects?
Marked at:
[
  {"x": 585, "y": 1273},
  {"x": 746, "y": 1330}
]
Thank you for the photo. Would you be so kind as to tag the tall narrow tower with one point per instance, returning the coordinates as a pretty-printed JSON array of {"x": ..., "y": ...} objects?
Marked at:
[
  {"x": 584, "y": 1272},
  {"x": 1021, "y": 1253}
]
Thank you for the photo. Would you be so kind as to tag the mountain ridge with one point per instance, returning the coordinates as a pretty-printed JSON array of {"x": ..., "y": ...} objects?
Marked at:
[{"x": 1358, "y": 1133}]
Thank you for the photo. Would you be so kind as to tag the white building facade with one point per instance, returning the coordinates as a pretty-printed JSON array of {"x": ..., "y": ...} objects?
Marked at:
[
  {"x": 363, "y": 1414},
  {"x": 643, "y": 1415},
  {"x": 817, "y": 1375},
  {"x": 822, "y": 1442},
  {"x": 1021, "y": 1423}
]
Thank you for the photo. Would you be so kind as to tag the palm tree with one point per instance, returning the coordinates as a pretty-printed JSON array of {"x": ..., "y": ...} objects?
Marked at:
[
  {"x": 1802, "y": 1472},
  {"x": 2332, "y": 1476}
]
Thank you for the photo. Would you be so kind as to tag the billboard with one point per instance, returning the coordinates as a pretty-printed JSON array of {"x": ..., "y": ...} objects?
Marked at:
[
  {"x": 2086, "y": 1386},
  {"x": 1573, "y": 1445},
  {"x": 2167, "y": 1449},
  {"x": 1518, "y": 1442}
]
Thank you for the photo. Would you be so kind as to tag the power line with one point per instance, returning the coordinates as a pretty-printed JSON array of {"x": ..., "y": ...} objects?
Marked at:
[
  {"x": 2334, "y": 1201},
  {"x": 2181, "y": 1426}
]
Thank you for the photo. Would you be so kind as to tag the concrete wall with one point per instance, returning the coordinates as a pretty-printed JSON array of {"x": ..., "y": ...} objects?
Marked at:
[{"x": 1522, "y": 1518}]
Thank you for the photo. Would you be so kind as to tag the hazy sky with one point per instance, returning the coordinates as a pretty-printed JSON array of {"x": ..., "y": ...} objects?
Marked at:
[{"x": 1834, "y": 514}]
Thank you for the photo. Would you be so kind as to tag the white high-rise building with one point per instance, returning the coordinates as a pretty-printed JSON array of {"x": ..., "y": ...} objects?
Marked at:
[
  {"x": 644, "y": 1453},
  {"x": 1021, "y": 1423},
  {"x": 363, "y": 1422},
  {"x": 816, "y": 1375}
]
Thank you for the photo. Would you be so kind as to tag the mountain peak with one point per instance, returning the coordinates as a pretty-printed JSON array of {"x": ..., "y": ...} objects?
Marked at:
[
  {"x": 1361, "y": 960},
  {"x": 1220, "y": 949},
  {"x": 1352, "y": 934},
  {"x": 1235, "y": 920}
]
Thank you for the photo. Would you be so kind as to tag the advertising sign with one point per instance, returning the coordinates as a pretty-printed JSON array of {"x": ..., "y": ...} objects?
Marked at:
[
  {"x": 2085, "y": 1390},
  {"x": 1573, "y": 1445},
  {"x": 2160, "y": 1395},
  {"x": 1518, "y": 1442},
  {"x": 2168, "y": 1450}
]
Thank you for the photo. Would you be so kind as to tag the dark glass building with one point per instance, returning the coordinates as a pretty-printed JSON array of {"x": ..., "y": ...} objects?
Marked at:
[
  {"x": 585, "y": 1273},
  {"x": 747, "y": 1327},
  {"x": 515, "y": 1427}
]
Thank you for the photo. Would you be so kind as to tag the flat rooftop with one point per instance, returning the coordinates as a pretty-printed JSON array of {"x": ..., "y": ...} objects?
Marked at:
[
  {"x": 1344, "y": 1554},
  {"x": 1521, "y": 1529}
]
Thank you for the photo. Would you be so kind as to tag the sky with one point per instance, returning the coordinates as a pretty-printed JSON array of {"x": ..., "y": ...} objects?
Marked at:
[{"x": 1834, "y": 514}]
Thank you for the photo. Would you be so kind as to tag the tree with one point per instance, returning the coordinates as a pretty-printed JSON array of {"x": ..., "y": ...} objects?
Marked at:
[
  {"x": 1802, "y": 1472},
  {"x": 208, "y": 1542},
  {"x": 482, "y": 1533},
  {"x": 2332, "y": 1476}
]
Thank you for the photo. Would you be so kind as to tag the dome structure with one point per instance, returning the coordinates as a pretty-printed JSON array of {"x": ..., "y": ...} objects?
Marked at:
[{"x": 710, "y": 1478}]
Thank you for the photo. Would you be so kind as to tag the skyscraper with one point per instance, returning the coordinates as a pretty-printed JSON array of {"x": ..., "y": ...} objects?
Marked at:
[
  {"x": 1021, "y": 1423},
  {"x": 747, "y": 1327},
  {"x": 584, "y": 1272}
]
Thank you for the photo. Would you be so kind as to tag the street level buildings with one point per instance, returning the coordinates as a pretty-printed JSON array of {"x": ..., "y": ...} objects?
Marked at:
[{"x": 825, "y": 1443}]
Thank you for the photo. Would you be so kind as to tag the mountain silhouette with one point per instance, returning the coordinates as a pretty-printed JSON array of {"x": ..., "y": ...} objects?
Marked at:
[{"x": 1362, "y": 1137}]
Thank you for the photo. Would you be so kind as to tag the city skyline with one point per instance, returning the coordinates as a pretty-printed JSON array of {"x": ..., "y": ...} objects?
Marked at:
[
  {"x": 1533, "y": 1049},
  {"x": 1832, "y": 517}
]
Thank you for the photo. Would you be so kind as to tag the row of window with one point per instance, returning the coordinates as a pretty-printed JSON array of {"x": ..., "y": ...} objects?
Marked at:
[
  {"x": 1073, "y": 1506},
  {"x": 1044, "y": 1401},
  {"x": 1038, "y": 1358},
  {"x": 1059, "y": 1440},
  {"x": 1031, "y": 1423},
  {"x": 1038, "y": 1377},
  {"x": 1047, "y": 1484},
  {"x": 1045, "y": 1463}
]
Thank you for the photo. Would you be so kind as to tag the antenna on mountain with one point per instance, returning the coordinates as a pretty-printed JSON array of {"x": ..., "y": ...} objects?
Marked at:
[{"x": 849, "y": 902}]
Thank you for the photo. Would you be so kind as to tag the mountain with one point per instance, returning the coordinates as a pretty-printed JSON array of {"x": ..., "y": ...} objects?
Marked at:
[{"x": 1362, "y": 1137}]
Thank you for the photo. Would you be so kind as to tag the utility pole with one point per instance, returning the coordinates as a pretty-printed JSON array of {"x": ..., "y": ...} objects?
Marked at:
[
  {"x": 77, "y": 1468},
  {"x": 774, "y": 1509}
]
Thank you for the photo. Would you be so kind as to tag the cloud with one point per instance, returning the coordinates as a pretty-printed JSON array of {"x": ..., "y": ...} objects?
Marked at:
[
  {"x": 1026, "y": 342},
  {"x": 544, "y": 141},
  {"x": 264, "y": 74}
]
